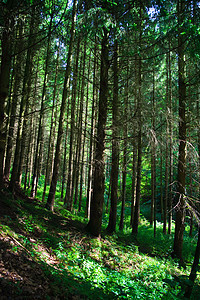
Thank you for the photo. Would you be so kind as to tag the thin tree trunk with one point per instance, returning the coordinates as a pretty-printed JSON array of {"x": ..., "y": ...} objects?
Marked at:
[
  {"x": 84, "y": 139},
  {"x": 51, "y": 128},
  {"x": 65, "y": 156},
  {"x": 26, "y": 83},
  {"x": 69, "y": 191},
  {"x": 93, "y": 125},
  {"x": 16, "y": 90},
  {"x": 153, "y": 163},
  {"x": 6, "y": 49},
  {"x": 80, "y": 127},
  {"x": 40, "y": 127},
  {"x": 115, "y": 147},
  {"x": 170, "y": 149},
  {"x": 134, "y": 168},
  {"x": 153, "y": 160},
  {"x": 167, "y": 150},
  {"x": 124, "y": 166},
  {"x": 180, "y": 206},
  {"x": 51, "y": 196},
  {"x": 136, "y": 218},
  {"x": 24, "y": 131}
]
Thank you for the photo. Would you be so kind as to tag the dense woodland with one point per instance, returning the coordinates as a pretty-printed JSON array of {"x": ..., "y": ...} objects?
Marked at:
[{"x": 100, "y": 114}]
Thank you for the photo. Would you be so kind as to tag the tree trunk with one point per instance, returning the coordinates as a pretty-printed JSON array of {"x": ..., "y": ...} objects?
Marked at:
[
  {"x": 84, "y": 140},
  {"x": 153, "y": 163},
  {"x": 40, "y": 128},
  {"x": 6, "y": 44},
  {"x": 165, "y": 204},
  {"x": 194, "y": 269},
  {"x": 94, "y": 225},
  {"x": 80, "y": 127},
  {"x": 170, "y": 149},
  {"x": 134, "y": 168},
  {"x": 69, "y": 191},
  {"x": 51, "y": 196},
  {"x": 16, "y": 90},
  {"x": 136, "y": 217},
  {"x": 180, "y": 206},
  {"x": 51, "y": 128},
  {"x": 115, "y": 147},
  {"x": 124, "y": 166},
  {"x": 92, "y": 132},
  {"x": 25, "y": 89}
]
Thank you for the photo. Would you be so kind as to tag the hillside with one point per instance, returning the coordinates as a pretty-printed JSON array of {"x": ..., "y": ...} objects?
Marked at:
[{"x": 48, "y": 255}]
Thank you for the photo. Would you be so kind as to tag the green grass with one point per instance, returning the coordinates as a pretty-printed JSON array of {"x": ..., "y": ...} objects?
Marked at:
[{"x": 113, "y": 267}]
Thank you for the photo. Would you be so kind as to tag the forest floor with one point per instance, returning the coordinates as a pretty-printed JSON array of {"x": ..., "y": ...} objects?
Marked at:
[{"x": 45, "y": 255}]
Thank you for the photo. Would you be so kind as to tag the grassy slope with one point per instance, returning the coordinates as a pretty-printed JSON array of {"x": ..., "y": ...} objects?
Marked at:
[{"x": 50, "y": 256}]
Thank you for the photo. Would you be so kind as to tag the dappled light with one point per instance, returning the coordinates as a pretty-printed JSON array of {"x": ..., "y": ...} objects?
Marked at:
[{"x": 99, "y": 149}]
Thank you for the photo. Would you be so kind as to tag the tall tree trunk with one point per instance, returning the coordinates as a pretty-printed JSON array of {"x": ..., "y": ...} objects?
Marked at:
[
  {"x": 153, "y": 162},
  {"x": 180, "y": 206},
  {"x": 124, "y": 166},
  {"x": 16, "y": 90},
  {"x": 51, "y": 127},
  {"x": 136, "y": 217},
  {"x": 51, "y": 196},
  {"x": 94, "y": 225},
  {"x": 6, "y": 46},
  {"x": 28, "y": 153},
  {"x": 24, "y": 132},
  {"x": 84, "y": 140},
  {"x": 40, "y": 127},
  {"x": 24, "y": 100},
  {"x": 80, "y": 127},
  {"x": 115, "y": 147},
  {"x": 165, "y": 204},
  {"x": 170, "y": 149},
  {"x": 65, "y": 156},
  {"x": 69, "y": 190},
  {"x": 92, "y": 132},
  {"x": 134, "y": 157}
]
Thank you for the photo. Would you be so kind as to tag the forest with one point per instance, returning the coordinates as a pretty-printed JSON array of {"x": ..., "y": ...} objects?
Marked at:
[{"x": 99, "y": 149}]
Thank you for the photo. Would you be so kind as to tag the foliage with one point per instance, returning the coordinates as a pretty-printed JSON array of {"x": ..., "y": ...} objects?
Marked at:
[{"x": 113, "y": 267}]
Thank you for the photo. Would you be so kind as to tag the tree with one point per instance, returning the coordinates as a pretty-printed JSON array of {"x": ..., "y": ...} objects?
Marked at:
[
  {"x": 25, "y": 96},
  {"x": 115, "y": 147},
  {"x": 6, "y": 45},
  {"x": 51, "y": 196},
  {"x": 138, "y": 67},
  {"x": 94, "y": 224},
  {"x": 180, "y": 206}
]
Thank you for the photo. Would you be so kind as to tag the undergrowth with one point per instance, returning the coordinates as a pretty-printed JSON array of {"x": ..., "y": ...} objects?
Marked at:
[{"x": 113, "y": 267}]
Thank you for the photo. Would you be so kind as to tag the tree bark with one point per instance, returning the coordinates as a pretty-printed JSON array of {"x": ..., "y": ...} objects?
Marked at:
[
  {"x": 92, "y": 132},
  {"x": 180, "y": 206},
  {"x": 51, "y": 128},
  {"x": 71, "y": 162},
  {"x": 51, "y": 196},
  {"x": 6, "y": 46},
  {"x": 40, "y": 127},
  {"x": 94, "y": 225},
  {"x": 124, "y": 166},
  {"x": 16, "y": 90},
  {"x": 194, "y": 269},
  {"x": 25, "y": 89},
  {"x": 115, "y": 147}
]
